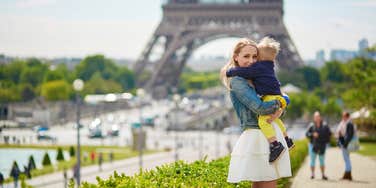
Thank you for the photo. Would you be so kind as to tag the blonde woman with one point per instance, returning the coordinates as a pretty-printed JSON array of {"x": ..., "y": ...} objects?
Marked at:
[{"x": 250, "y": 156}]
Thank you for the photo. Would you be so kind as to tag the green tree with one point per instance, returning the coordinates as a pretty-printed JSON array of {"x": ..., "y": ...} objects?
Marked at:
[
  {"x": 52, "y": 75},
  {"x": 361, "y": 87},
  {"x": 97, "y": 85},
  {"x": 12, "y": 71},
  {"x": 72, "y": 151},
  {"x": 333, "y": 71},
  {"x": 14, "y": 165},
  {"x": 296, "y": 108},
  {"x": 32, "y": 75},
  {"x": 31, "y": 163},
  {"x": 46, "y": 160},
  {"x": 56, "y": 90},
  {"x": 35, "y": 62},
  {"x": 332, "y": 109},
  {"x": 294, "y": 77},
  {"x": 27, "y": 92},
  {"x": 311, "y": 77},
  {"x": 60, "y": 155},
  {"x": 96, "y": 63},
  {"x": 198, "y": 80},
  {"x": 313, "y": 103},
  {"x": 9, "y": 95},
  {"x": 126, "y": 78}
]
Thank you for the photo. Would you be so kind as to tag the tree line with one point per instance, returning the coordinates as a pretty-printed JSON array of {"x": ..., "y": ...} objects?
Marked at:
[
  {"x": 23, "y": 80},
  {"x": 334, "y": 87}
]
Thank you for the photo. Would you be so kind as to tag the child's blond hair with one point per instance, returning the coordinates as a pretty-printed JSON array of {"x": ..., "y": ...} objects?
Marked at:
[
  {"x": 232, "y": 62},
  {"x": 268, "y": 49}
]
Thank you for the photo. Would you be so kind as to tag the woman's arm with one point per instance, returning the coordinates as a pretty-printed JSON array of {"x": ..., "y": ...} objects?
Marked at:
[{"x": 248, "y": 97}]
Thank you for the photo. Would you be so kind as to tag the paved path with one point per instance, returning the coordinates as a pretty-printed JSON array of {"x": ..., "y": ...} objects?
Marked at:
[{"x": 364, "y": 172}]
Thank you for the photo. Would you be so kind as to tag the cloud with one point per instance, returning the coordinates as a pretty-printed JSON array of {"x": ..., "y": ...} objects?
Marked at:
[{"x": 34, "y": 3}]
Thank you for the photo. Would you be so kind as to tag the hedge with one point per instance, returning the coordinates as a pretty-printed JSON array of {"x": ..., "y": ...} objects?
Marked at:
[{"x": 197, "y": 174}]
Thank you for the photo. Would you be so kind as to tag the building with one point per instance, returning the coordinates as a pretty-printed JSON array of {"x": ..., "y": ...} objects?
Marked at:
[
  {"x": 362, "y": 47},
  {"x": 342, "y": 55},
  {"x": 320, "y": 59}
]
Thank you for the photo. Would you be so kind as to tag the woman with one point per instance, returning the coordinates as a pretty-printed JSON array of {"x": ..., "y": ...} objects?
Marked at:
[
  {"x": 345, "y": 132},
  {"x": 250, "y": 156},
  {"x": 319, "y": 136}
]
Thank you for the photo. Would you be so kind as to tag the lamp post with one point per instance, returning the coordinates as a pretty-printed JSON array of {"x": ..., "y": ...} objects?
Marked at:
[
  {"x": 216, "y": 105},
  {"x": 200, "y": 139},
  {"x": 78, "y": 85},
  {"x": 140, "y": 93},
  {"x": 176, "y": 99}
]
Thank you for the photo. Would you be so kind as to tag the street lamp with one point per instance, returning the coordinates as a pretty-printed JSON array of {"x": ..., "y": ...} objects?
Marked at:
[
  {"x": 217, "y": 105},
  {"x": 78, "y": 85},
  {"x": 200, "y": 139},
  {"x": 140, "y": 93},
  {"x": 176, "y": 99}
]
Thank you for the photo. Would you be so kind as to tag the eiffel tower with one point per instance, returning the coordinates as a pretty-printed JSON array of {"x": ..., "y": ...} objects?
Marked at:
[{"x": 188, "y": 24}]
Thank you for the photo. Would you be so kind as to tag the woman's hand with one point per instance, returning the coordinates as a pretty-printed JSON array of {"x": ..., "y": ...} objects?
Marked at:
[
  {"x": 315, "y": 134},
  {"x": 274, "y": 116}
]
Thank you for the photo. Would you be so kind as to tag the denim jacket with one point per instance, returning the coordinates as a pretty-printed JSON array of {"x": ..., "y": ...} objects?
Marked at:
[{"x": 247, "y": 104}]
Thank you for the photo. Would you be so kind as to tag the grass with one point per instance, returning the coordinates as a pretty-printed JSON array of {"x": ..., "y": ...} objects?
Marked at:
[
  {"x": 119, "y": 153},
  {"x": 368, "y": 149}
]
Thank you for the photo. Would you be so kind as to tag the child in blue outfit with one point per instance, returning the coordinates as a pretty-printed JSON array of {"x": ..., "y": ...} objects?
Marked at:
[{"x": 267, "y": 85}]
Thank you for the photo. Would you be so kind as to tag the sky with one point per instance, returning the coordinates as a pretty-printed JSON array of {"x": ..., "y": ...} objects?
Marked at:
[{"x": 122, "y": 28}]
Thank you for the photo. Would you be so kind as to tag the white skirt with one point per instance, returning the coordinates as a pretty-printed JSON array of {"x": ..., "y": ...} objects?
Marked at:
[{"x": 250, "y": 158}]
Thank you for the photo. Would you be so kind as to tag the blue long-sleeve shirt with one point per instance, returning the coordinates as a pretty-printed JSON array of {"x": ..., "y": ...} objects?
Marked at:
[{"x": 262, "y": 75}]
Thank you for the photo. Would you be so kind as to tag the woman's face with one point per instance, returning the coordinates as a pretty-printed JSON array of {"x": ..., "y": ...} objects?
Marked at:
[
  {"x": 317, "y": 118},
  {"x": 246, "y": 56}
]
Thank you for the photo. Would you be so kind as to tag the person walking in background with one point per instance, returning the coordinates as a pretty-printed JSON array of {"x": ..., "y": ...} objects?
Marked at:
[
  {"x": 75, "y": 172},
  {"x": 100, "y": 161},
  {"x": 111, "y": 156},
  {"x": 319, "y": 136},
  {"x": 65, "y": 176},
  {"x": 92, "y": 157},
  {"x": 85, "y": 156},
  {"x": 345, "y": 132}
]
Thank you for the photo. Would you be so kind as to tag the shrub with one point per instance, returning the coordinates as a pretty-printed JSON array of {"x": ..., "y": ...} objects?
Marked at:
[
  {"x": 60, "y": 155},
  {"x": 197, "y": 174},
  {"x": 46, "y": 160},
  {"x": 72, "y": 152},
  {"x": 14, "y": 166},
  {"x": 31, "y": 165}
]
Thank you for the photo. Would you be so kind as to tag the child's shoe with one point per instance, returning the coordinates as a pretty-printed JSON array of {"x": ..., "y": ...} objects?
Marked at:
[
  {"x": 276, "y": 150},
  {"x": 289, "y": 142}
]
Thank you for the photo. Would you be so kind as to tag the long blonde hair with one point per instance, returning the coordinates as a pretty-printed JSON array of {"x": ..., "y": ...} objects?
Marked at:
[{"x": 232, "y": 62}]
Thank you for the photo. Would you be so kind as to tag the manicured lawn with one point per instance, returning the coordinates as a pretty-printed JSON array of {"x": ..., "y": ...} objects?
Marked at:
[
  {"x": 368, "y": 149},
  {"x": 119, "y": 153}
]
